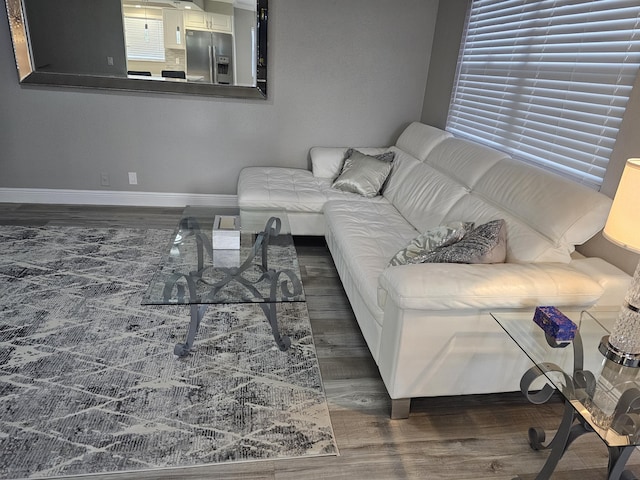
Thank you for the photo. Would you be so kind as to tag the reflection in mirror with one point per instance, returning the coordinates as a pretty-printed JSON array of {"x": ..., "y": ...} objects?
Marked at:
[{"x": 202, "y": 47}]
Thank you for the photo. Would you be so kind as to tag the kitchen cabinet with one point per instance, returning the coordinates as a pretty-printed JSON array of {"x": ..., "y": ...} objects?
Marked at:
[
  {"x": 195, "y": 20},
  {"x": 220, "y": 23},
  {"x": 215, "y": 22},
  {"x": 173, "y": 29}
]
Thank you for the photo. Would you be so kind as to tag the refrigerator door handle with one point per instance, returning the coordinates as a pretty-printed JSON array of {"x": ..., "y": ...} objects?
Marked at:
[
  {"x": 214, "y": 75},
  {"x": 211, "y": 71}
]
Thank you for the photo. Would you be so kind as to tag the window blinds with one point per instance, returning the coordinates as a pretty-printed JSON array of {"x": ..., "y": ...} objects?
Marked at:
[
  {"x": 548, "y": 80},
  {"x": 144, "y": 38}
]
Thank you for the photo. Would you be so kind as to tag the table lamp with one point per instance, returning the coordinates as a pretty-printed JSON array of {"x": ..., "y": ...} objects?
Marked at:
[
  {"x": 621, "y": 348},
  {"x": 623, "y": 228}
]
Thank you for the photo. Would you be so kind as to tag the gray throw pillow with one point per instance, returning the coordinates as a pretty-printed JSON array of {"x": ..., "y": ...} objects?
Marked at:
[
  {"x": 386, "y": 156},
  {"x": 428, "y": 241},
  {"x": 486, "y": 243},
  {"x": 364, "y": 174}
]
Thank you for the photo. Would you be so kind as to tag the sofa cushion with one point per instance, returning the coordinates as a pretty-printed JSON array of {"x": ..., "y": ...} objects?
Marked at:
[
  {"x": 463, "y": 161},
  {"x": 487, "y": 243},
  {"x": 363, "y": 174},
  {"x": 367, "y": 234},
  {"x": 565, "y": 212},
  {"x": 524, "y": 243},
  {"x": 422, "y": 194},
  {"x": 277, "y": 187},
  {"x": 290, "y": 189}
]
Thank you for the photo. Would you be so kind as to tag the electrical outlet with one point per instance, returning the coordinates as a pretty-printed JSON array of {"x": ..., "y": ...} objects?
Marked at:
[
  {"x": 104, "y": 179},
  {"x": 110, "y": 61},
  {"x": 133, "y": 178}
]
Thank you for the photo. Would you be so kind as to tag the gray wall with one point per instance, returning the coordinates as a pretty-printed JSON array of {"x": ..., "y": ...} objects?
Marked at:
[
  {"x": 444, "y": 59},
  {"x": 341, "y": 72}
]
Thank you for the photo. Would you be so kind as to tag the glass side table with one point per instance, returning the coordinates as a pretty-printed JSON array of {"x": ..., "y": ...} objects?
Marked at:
[{"x": 600, "y": 396}]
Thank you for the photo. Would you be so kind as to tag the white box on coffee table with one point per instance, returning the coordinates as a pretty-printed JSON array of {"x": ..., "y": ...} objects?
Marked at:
[{"x": 226, "y": 232}]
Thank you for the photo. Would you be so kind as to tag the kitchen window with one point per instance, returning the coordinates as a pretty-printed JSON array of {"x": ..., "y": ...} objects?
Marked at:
[
  {"x": 144, "y": 39},
  {"x": 547, "y": 81}
]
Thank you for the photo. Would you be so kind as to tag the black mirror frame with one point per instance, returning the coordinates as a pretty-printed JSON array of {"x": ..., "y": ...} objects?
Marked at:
[{"x": 27, "y": 75}]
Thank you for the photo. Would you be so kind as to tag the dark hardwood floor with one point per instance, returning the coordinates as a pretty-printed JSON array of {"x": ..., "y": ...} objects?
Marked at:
[{"x": 466, "y": 437}]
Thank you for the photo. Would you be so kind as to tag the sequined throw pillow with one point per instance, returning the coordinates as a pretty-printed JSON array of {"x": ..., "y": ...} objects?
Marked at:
[
  {"x": 364, "y": 174},
  {"x": 486, "y": 243},
  {"x": 426, "y": 242}
]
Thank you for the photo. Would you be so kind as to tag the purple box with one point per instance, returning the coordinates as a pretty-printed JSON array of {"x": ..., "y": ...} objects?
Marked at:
[{"x": 555, "y": 323}]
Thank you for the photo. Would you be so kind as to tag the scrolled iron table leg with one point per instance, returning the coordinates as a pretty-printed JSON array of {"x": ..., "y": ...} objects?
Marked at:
[
  {"x": 558, "y": 444},
  {"x": 197, "y": 312},
  {"x": 618, "y": 457},
  {"x": 567, "y": 431},
  {"x": 283, "y": 341}
]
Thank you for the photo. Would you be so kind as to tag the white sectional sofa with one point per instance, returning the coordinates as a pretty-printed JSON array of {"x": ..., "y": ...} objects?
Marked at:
[{"x": 428, "y": 325}]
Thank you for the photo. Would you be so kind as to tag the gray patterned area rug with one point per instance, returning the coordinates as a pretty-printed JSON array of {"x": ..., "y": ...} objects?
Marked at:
[{"x": 89, "y": 382}]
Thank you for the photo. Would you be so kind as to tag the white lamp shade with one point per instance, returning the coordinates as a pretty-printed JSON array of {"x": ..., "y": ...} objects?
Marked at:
[{"x": 623, "y": 223}]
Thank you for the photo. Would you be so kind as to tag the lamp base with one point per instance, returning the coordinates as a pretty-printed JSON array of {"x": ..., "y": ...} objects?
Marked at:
[
  {"x": 625, "y": 335},
  {"x": 621, "y": 358}
]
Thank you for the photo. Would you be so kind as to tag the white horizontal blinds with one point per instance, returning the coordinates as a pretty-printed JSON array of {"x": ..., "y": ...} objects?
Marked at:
[
  {"x": 548, "y": 80},
  {"x": 144, "y": 39}
]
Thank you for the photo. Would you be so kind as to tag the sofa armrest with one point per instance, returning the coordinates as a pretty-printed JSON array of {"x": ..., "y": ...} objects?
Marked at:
[
  {"x": 447, "y": 286},
  {"x": 326, "y": 162},
  {"x": 614, "y": 281}
]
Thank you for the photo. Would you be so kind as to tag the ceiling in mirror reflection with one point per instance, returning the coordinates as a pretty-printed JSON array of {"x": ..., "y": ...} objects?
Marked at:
[{"x": 202, "y": 47}]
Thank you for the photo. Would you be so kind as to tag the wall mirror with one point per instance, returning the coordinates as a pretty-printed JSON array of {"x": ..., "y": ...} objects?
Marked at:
[{"x": 199, "y": 47}]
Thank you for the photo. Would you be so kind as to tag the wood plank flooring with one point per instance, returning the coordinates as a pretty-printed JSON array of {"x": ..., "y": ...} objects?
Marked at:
[{"x": 466, "y": 437}]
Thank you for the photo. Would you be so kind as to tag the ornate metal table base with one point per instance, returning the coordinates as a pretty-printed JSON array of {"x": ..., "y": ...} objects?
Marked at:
[
  {"x": 197, "y": 312},
  {"x": 573, "y": 425},
  {"x": 288, "y": 288}
]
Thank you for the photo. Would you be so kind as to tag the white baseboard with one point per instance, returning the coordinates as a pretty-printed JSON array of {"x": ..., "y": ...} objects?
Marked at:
[{"x": 112, "y": 197}]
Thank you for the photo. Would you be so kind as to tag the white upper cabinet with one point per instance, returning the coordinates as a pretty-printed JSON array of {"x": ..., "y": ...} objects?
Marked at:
[
  {"x": 173, "y": 29},
  {"x": 195, "y": 20},
  {"x": 215, "y": 22},
  {"x": 220, "y": 22}
]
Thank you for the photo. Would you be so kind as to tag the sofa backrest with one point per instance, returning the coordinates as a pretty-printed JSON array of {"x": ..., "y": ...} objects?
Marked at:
[
  {"x": 546, "y": 215},
  {"x": 413, "y": 146},
  {"x": 419, "y": 139}
]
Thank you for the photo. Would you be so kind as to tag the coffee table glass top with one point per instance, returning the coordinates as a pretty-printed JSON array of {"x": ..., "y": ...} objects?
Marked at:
[
  {"x": 263, "y": 269},
  {"x": 605, "y": 394}
]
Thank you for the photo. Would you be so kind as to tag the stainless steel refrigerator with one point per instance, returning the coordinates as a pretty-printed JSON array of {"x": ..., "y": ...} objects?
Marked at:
[{"x": 209, "y": 57}]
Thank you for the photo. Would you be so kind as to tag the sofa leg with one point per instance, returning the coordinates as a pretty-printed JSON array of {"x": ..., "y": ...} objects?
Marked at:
[{"x": 400, "y": 408}]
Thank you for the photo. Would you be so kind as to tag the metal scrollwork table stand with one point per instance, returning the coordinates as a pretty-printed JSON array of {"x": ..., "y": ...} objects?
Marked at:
[
  {"x": 281, "y": 283},
  {"x": 580, "y": 386}
]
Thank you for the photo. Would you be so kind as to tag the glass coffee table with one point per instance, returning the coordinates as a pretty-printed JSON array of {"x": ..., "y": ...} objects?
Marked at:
[
  {"x": 600, "y": 395},
  {"x": 203, "y": 268}
]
